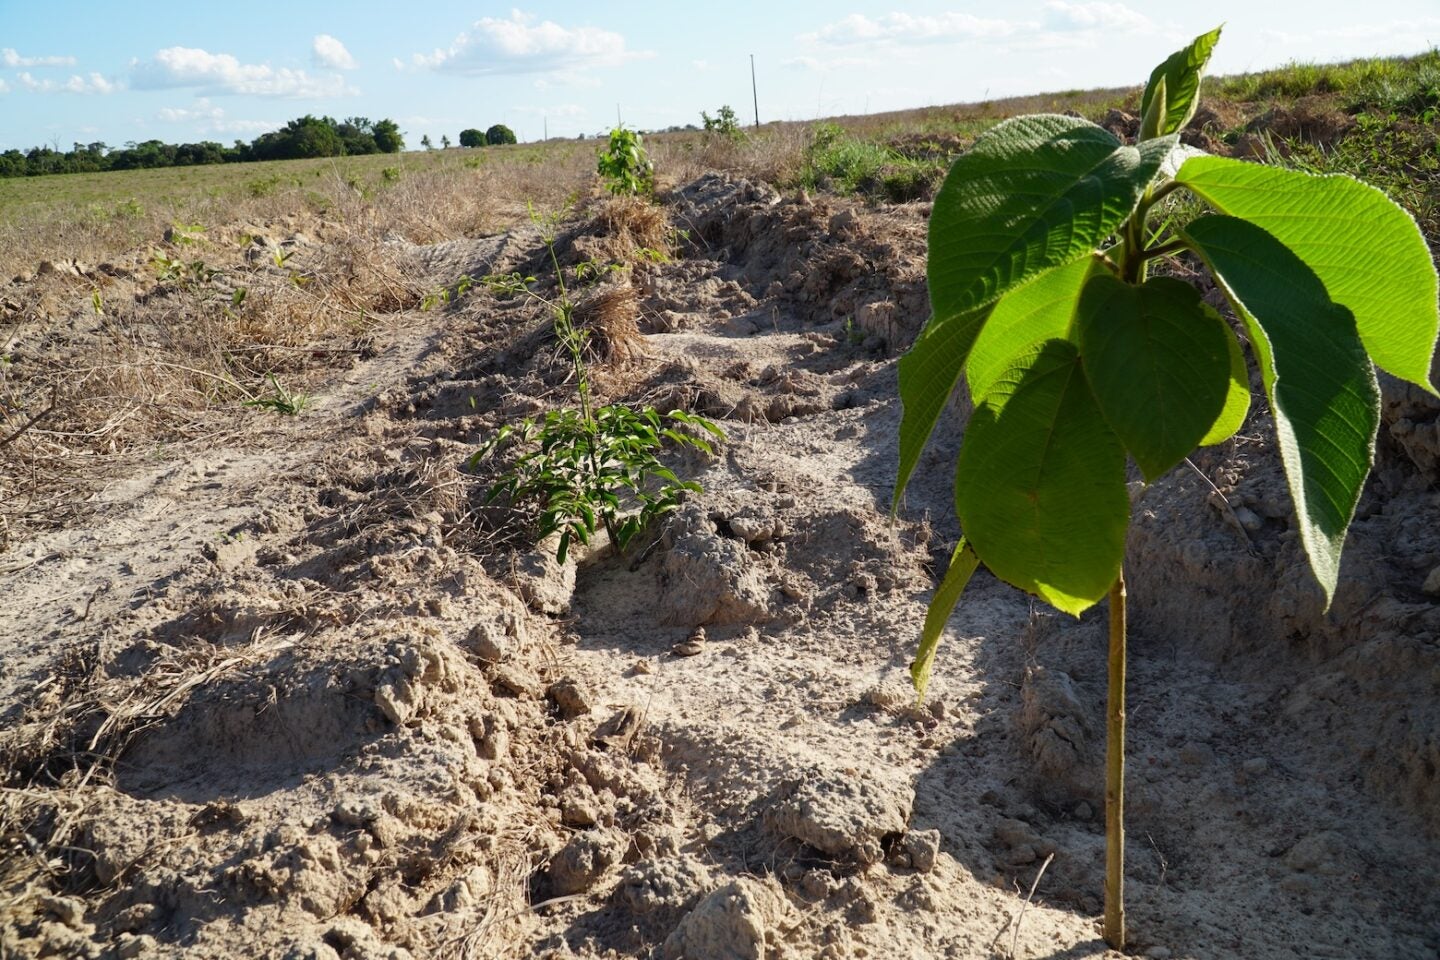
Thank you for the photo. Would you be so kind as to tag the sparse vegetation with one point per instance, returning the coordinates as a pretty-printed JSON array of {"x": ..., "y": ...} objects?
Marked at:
[{"x": 589, "y": 467}]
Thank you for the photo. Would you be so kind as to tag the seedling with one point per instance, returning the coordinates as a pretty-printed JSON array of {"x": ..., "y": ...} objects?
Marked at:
[
  {"x": 625, "y": 165},
  {"x": 281, "y": 400},
  {"x": 1075, "y": 360}
]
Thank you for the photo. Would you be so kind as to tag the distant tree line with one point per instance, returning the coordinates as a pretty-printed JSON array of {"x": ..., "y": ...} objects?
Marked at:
[{"x": 306, "y": 136}]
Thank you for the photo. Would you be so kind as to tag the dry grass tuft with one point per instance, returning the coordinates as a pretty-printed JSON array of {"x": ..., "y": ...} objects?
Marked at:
[
  {"x": 610, "y": 316},
  {"x": 634, "y": 229}
]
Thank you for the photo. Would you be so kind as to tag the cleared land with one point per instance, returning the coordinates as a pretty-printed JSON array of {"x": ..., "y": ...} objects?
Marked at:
[{"x": 287, "y": 686}]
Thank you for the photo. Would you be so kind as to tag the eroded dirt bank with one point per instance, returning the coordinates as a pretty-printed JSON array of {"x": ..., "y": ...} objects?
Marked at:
[{"x": 306, "y": 696}]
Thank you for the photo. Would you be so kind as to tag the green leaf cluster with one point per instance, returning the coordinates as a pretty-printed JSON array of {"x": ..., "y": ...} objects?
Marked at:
[
  {"x": 1077, "y": 361},
  {"x": 602, "y": 470},
  {"x": 625, "y": 165}
]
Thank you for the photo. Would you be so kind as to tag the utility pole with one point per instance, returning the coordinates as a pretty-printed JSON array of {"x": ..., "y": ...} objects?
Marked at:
[
  {"x": 618, "y": 121},
  {"x": 546, "y": 120},
  {"x": 753, "y": 92}
]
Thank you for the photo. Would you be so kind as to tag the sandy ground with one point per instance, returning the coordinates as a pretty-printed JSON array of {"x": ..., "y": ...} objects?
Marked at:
[{"x": 302, "y": 696}]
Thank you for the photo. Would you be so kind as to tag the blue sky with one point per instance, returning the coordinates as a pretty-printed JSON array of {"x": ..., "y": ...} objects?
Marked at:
[{"x": 115, "y": 72}]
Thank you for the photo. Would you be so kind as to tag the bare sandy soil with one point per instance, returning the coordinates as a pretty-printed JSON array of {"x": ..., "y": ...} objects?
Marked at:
[{"x": 298, "y": 693}]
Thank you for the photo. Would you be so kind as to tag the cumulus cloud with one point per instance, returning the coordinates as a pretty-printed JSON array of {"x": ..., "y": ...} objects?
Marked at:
[
  {"x": 521, "y": 44},
  {"x": 94, "y": 83},
  {"x": 220, "y": 73},
  {"x": 331, "y": 54},
  {"x": 12, "y": 59}
]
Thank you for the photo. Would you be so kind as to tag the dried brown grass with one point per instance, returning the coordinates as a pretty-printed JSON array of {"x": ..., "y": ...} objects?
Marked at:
[
  {"x": 609, "y": 315},
  {"x": 633, "y": 229}
]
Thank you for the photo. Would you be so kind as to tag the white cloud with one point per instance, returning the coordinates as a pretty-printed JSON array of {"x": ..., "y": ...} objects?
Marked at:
[
  {"x": 700, "y": 64},
  {"x": 520, "y": 44},
  {"x": 331, "y": 53},
  {"x": 12, "y": 59},
  {"x": 4, "y": 87},
  {"x": 220, "y": 73},
  {"x": 908, "y": 28},
  {"x": 94, "y": 83},
  {"x": 1093, "y": 16},
  {"x": 201, "y": 109}
]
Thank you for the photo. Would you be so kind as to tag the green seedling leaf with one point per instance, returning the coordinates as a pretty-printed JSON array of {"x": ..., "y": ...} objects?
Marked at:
[
  {"x": 1027, "y": 316},
  {"x": 962, "y": 566},
  {"x": 1152, "y": 122},
  {"x": 929, "y": 372},
  {"x": 1157, "y": 364},
  {"x": 1237, "y": 396},
  {"x": 1365, "y": 249},
  {"x": 1320, "y": 383},
  {"x": 1040, "y": 485},
  {"x": 1176, "y": 84},
  {"x": 1033, "y": 193}
]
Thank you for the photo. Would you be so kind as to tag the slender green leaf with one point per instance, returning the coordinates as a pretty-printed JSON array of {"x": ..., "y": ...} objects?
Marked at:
[
  {"x": 1034, "y": 193},
  {"x": 1237, "y": 396},
  {"x": 962, "y": 565},
  {"x": 1041, "y": 310},
  {"x": 1366, "y": 250},
  {"x": 1320, "y": 382},
  {"x": 1179, "y": 79},
  {"x": 1157, "y": 364},
  {"x": 1040, "y": 486}
]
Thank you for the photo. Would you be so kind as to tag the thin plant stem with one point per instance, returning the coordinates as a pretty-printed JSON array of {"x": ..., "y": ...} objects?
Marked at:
[{"x": 1115, "y": 773}]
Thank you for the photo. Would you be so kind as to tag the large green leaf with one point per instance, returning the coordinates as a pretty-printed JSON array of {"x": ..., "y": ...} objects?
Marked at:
[
  {"x": 962, "y": 565},
  {"x": 1157, "y": 363},
  {"x": 1179, "y": 78},
  {"x": 1367, "y": 251},
  {"x": 1027, "y": 316},
  {"x": 1040, "y": 486},
  {"x": 1034, "y": 193},
  {"x": 1319, "y": 380},
  {"x": 928, "y": 374},
  {"x": 1237, "y": 397}
]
